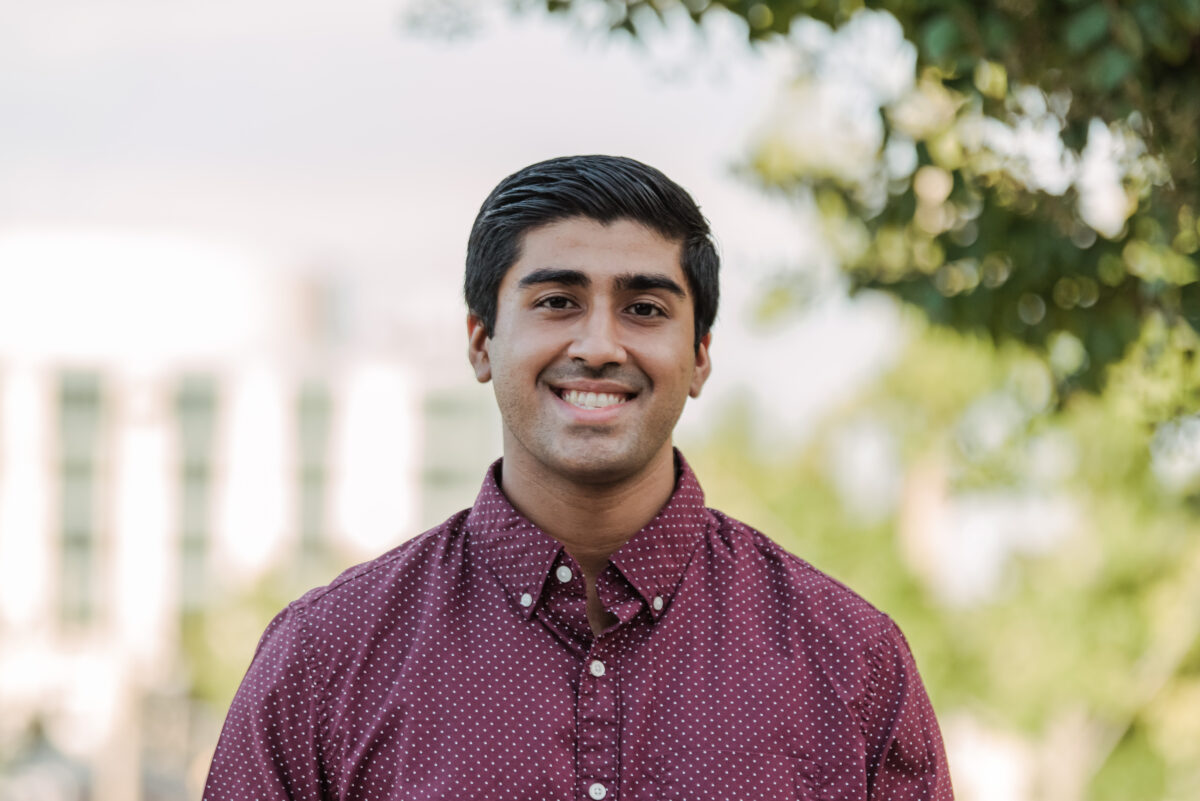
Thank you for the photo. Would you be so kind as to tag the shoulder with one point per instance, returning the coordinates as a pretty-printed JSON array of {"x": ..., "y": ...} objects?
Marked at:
[
  {"x": 857, "y": 647},
  {"x": 372, "y": 593},
  {"x": 812, "y": 598}
]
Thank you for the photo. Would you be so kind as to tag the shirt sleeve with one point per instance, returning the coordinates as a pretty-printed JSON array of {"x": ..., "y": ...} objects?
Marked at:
[
  {"x": 906, "y": 760},
  {"x": 268, "y": 746}
]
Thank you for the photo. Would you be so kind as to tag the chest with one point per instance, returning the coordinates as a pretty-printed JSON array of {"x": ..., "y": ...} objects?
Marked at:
[{"x": 651, "y": 713}]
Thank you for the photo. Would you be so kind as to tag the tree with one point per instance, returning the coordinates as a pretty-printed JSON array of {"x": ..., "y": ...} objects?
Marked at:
[{"x": 1077, "y": 257}]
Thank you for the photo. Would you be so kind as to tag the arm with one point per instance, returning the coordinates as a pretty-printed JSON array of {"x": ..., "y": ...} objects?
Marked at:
[
  {"x": 905, "y": 758},
  {"x": 268, "y": 746}
]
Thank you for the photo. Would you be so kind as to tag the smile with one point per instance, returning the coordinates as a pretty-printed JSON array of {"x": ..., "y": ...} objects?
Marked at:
[{"x": 592, "y": 400}]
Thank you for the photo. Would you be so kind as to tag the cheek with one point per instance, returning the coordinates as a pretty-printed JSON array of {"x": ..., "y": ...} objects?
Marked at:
[
  {"x": 682, "y": 363},
  {"x": 517, "y": 363}
]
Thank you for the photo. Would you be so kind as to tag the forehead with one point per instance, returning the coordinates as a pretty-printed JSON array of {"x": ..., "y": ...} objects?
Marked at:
[{"x": 600, "y": 250}]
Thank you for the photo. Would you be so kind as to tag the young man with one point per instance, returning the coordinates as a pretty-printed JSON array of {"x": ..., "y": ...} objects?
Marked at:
[{"x": 588, "y": 629}]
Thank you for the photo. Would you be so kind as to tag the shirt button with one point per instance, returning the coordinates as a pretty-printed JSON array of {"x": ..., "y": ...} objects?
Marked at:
[
  {"x": 563, "y": 573},
  {"x": 526, "y": 599},
  {"x": 597, "y": 670},
  {"x": 597, "y": 791},
  {"x": 657, "y": 603}
]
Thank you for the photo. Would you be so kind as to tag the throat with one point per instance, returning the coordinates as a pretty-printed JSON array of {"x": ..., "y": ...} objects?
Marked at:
[{"x": 592, "y": 521}]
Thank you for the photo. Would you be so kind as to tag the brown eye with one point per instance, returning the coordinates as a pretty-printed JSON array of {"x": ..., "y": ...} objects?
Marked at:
[
  {"x": 645, "y": 310},
  {"x": 555, "y": 302}
]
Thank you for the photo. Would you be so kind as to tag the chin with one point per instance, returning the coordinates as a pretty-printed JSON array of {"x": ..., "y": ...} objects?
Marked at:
[{"x": 590, "y": 465}]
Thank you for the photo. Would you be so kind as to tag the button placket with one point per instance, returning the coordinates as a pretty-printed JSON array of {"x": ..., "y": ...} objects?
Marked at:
[{"x": 597, "y": 722}]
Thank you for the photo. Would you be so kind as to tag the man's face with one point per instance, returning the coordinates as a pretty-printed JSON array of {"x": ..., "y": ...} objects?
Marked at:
[{"x": 593, "y": 355}]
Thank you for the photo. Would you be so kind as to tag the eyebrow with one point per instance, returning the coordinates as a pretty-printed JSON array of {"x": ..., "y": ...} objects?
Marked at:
[
  {"x": 642, "y": 282},
  {"x": 551, "y": 275},
  {"x": 626, "y": 282}
]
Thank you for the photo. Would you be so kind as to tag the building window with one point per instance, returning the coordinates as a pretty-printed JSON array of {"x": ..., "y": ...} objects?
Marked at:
[
  {"x": 80, "y": 412},
  {"x": 313, "y": 419},
  {"x": 196, "y": 418}
]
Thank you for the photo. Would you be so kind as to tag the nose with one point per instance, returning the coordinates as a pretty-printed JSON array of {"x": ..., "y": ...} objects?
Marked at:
[{"x": 596, "y": 341}]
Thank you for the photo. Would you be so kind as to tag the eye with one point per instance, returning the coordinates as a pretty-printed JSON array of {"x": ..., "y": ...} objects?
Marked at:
[
  {"x": 646, "y": 309},
  {"x": 555, "y": 302}
]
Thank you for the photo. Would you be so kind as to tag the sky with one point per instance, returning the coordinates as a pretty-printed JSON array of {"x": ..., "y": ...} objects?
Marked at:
[{"x": 311, "y": 136}]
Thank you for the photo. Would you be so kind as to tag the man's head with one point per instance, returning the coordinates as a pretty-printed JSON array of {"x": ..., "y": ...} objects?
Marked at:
[
  {"x": 600, "y": 188},
  {"x": 592, "y": 285}
]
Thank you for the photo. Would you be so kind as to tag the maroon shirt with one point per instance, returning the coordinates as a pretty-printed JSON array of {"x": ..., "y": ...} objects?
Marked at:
[{"x": 461, "y": 665}]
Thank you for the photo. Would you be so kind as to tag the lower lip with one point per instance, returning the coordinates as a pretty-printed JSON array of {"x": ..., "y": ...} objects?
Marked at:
[{"x": 602, "y": 415}]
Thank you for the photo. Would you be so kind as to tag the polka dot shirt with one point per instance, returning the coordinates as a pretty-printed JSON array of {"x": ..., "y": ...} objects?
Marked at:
[{"x": 461, "y": 665}]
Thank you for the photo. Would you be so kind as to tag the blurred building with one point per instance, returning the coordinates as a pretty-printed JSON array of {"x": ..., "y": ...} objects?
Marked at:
[{"x": 176, "y": 424}]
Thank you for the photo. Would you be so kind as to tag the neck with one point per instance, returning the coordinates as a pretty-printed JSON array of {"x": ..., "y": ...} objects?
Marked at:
[{"x": 591, "y": 520}]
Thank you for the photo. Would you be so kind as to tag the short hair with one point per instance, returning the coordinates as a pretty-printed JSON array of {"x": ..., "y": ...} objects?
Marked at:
[{"x": 601, "y": 188}]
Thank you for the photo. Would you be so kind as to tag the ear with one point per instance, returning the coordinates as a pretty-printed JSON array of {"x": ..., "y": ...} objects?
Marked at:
[
  {"x": 477, "y": 348},
  {"x": 703, "y": 366}
]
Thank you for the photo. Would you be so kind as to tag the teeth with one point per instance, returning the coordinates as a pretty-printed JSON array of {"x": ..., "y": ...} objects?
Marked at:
[{"x": 591, "y": 400}]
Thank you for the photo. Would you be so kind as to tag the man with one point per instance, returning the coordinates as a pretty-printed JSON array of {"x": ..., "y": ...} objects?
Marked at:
[{"x": 588, "y": 629}]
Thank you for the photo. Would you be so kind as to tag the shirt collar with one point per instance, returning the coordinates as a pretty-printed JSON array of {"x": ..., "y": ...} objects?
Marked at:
[{"x": 653, "y": 561}]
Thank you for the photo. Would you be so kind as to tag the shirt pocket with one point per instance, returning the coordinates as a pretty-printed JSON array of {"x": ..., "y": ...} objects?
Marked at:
[{"x": 731, "y": 775}]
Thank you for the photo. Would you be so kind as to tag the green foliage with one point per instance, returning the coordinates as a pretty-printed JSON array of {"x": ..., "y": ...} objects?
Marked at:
[
  {"x": 999, "y": 253},
  {"x": 1135, "y": 771}
]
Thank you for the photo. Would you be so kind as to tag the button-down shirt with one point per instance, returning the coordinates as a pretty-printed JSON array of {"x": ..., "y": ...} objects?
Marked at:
[{"x": 461, "y": 665}]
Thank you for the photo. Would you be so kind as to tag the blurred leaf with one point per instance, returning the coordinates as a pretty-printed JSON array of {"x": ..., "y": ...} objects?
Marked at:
[
  {"x": 1135, "y": 770},
  {"x": 939, "y": 37},
  {"x": 1187, "y": 13},
  {"x": 1189, "y": 305},
  {"x": 1109, "y": 67},
  {"x": 1086, "y": 28},
  {"x": 998, "y": 32}
]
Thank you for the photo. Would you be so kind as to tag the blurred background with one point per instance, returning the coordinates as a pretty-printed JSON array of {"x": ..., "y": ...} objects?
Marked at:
[{"x": 955, "y": 364}]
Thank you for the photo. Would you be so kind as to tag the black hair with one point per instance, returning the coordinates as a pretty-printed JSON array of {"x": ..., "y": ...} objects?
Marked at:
[{"x": 601, "y": 188}]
